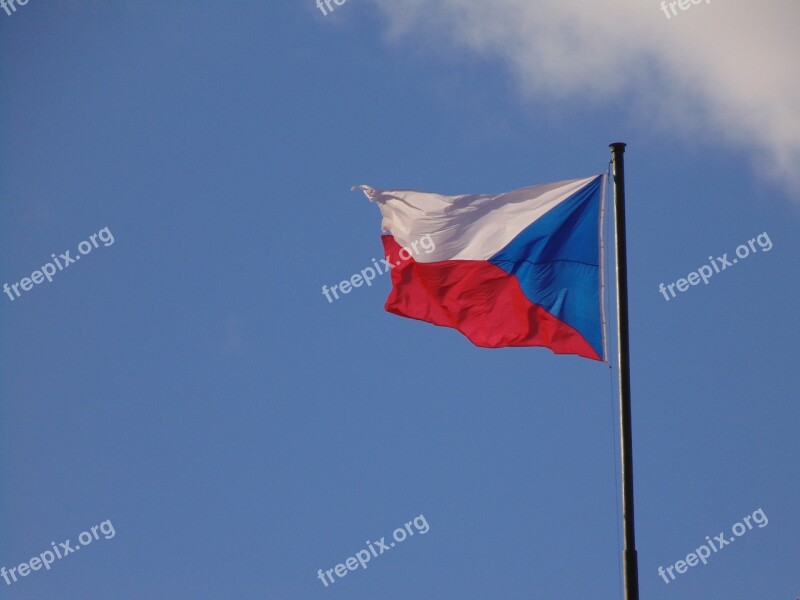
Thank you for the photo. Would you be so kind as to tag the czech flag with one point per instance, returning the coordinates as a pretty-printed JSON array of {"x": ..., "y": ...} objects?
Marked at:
[{"x": 516, "y": 269}]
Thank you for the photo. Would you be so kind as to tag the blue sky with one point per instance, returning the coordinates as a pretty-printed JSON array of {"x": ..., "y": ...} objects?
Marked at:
[{"x": 191, "y": 384}]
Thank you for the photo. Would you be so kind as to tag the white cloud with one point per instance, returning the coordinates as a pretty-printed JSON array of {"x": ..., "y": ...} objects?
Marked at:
[{"x": 732, "y": 66}]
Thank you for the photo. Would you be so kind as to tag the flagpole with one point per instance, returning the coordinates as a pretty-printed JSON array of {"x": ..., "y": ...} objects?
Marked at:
[{"x": 629, "y": 558}]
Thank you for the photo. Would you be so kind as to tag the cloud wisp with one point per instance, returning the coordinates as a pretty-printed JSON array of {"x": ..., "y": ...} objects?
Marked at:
[{"x": 727, "y": 67}]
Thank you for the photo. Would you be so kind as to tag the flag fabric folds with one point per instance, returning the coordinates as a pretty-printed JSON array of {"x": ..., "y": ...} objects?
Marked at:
[{"x": 521, "y": 268}]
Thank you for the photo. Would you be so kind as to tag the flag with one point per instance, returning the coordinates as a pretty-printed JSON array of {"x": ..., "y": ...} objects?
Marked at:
[{"x": 521, "y": 268}]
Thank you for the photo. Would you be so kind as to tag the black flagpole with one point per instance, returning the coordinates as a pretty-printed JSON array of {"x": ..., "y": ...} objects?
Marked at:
[{"x": 629, "y": 559}]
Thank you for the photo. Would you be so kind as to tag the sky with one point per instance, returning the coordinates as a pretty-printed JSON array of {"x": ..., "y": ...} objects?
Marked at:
[{"x": 186, "y": 389}]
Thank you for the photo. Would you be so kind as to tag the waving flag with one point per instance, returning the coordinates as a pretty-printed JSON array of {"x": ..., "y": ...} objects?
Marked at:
[{"x": 514, "y": 269}]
